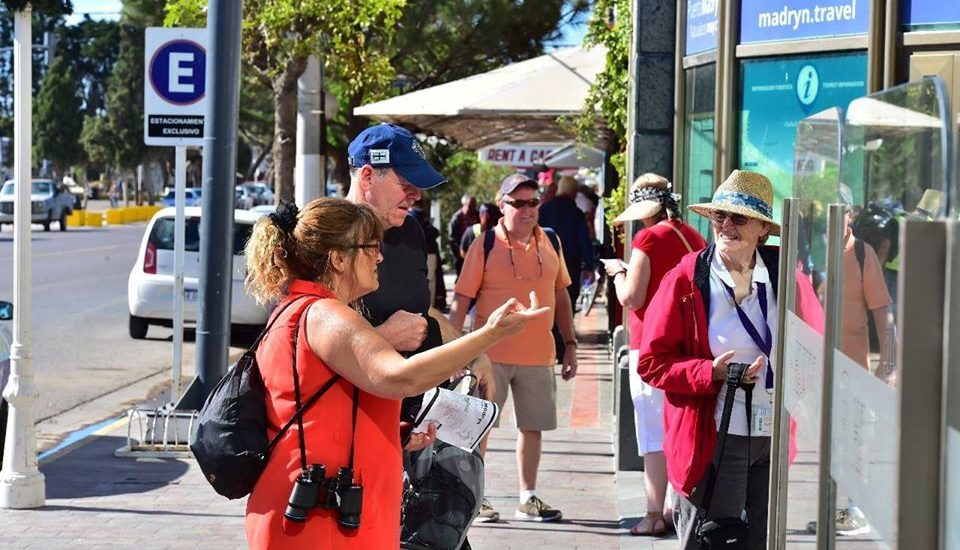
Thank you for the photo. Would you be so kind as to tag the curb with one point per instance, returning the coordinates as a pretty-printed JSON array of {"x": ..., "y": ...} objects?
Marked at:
[{"x": 79, "y": 438}]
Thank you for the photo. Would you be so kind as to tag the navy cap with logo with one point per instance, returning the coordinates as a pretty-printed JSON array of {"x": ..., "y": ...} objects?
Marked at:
[
  {"x": 390, "y": 146},
  {"x": 513, "y": 181}
]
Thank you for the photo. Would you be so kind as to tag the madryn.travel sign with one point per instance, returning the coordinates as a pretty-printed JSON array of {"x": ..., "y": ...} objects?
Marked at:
[{"x": 174, "y": 86}]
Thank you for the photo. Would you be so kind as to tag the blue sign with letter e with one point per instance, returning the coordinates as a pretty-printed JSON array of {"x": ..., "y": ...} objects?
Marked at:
[
  {"x": 769, "y": 21},
  {"x": 178, "y": 72}
]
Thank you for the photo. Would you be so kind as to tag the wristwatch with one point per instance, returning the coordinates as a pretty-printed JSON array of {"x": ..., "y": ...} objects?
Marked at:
[{"x": 573, "y": 343}]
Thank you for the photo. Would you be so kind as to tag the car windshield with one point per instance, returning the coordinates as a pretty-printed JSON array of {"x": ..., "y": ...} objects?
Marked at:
[
  {"x": 37, "y": 188},
  {"x": 162, "y": 235}
]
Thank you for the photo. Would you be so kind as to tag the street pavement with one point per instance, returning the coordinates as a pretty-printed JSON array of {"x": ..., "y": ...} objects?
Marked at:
[
  {"x": 95, "y": 500},
  {"x": 86, "y": 366}
]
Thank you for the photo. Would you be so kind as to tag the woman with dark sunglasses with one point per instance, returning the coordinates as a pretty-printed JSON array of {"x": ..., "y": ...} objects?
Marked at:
[{"x": 718, "y": 307}]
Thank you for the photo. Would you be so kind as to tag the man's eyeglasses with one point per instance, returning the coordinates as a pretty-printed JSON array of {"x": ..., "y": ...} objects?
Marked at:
[
  {"x": 521, "y": 203},
  {"x": 719, "y": 216}
]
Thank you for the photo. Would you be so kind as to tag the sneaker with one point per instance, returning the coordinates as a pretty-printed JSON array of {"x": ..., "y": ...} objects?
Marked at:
[
  {"x": 849, "y": 523},
  {"x": 537, "y": 510},
  {"x": 488, "y": 514}
]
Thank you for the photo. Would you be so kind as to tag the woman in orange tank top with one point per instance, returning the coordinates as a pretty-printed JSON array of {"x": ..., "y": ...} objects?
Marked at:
[{"x": 318, "y": 261}]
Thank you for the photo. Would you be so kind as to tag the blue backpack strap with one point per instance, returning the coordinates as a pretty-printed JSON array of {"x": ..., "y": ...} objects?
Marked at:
[
  {"x": 554, "y": 239},
  {"x": 488, "y": 237}
]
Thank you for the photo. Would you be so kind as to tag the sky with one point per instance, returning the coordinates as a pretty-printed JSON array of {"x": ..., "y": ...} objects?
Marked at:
[
  {"x": 110, "y": 9},
  {"x": 98, "y": 9}
]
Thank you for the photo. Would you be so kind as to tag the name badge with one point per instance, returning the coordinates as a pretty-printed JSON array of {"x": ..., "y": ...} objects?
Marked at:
[{"x": 761, "y": 424}]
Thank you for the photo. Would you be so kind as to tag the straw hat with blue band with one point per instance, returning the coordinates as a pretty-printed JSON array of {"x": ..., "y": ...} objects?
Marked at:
[{"x": 747, "y": 193}]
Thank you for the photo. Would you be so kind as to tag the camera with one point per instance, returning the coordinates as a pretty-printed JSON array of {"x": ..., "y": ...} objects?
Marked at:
[
  {"x": 735, "y": 374},
  {"x": 314, "y": 489}
]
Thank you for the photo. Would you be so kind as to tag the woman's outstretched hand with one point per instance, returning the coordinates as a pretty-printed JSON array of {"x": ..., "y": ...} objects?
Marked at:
[{"x": 511, "y": 317}]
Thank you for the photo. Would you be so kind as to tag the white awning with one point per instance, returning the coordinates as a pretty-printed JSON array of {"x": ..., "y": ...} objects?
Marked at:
[{"x": 516, "y": 103}]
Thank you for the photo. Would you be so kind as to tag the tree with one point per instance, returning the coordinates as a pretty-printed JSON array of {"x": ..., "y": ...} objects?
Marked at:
[
  {"x": 606, "y": 104},
  {"x": 438, "y": 41},
  {"x": 56, "y": 123},
  {"x": 90, "y": 47},
  {"x": 279, "y": 35}
]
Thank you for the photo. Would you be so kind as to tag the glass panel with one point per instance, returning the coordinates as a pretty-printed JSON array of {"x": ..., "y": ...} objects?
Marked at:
[
  {"x": 895, "y": 166},
  {"x": 816, "y": 178},
  {"x": 777, "y": 94},
  {"x": 699, "y": 138}
]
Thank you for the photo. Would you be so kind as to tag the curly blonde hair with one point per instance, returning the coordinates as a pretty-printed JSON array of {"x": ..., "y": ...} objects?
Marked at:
[{"x": 275, "y": 257}]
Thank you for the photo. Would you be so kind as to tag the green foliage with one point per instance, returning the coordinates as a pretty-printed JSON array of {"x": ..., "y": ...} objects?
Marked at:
[
  {"x": 466, "y": 175},
  {"x": 90, "y": 49},
  {"x": 48, "y": 7},
  {"x": 97, "y": 141},
  {"x": 56, "y": 124},
  {"x": 606, "y": 104},
  {"x": 124, "y": 100}
]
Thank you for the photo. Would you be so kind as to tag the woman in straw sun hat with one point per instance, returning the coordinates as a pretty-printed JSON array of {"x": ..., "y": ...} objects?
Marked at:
[
  {"x": 719, "y": 306},
  {"x": 656, "y": 249}
]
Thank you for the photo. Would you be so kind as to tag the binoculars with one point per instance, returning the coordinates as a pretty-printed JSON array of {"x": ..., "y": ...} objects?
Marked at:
[{"x": 314, "y": 489}]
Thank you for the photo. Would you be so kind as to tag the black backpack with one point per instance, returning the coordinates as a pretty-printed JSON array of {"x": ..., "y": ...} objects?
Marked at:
[
  {"x": 875, "y": 224},
  {"x": 230, "y": 444}
]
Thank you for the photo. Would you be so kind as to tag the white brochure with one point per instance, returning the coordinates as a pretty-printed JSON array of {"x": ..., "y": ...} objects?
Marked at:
[{"x": 461, "y": 420}]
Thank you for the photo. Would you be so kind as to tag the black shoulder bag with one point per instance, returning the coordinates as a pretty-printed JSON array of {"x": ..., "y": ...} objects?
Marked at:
[
  {"x": 230, "y": 444},
  {"x": 729, "y": 533}
]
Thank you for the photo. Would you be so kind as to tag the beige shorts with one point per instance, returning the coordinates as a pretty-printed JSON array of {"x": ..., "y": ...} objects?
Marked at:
[{"x": 534, "y": 392}]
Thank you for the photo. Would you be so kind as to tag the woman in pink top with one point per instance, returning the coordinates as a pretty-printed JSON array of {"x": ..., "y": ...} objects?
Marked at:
[{"x": 657, "y": 249}]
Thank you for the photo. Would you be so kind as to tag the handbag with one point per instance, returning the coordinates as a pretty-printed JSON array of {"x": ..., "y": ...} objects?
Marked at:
[
  {"x": 230, "y": 444},
  {"x": 729, "y": 533},
  {"x": 443, "y": 493}
]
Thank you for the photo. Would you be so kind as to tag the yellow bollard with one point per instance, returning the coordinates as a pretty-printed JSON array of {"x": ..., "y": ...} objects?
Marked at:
[
  {"x": 93, "y": 219},
  {"x": 76, "y": 218}
]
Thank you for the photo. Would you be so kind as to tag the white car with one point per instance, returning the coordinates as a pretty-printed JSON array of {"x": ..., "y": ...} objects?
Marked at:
[
  {"x": 49, "y": 203},
  {"x": 261, "y": 192},
  {"x": 150, "y": 287}
]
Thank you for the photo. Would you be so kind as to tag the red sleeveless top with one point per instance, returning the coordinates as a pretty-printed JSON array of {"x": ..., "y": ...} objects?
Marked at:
[{"x": 328, "y": 436}]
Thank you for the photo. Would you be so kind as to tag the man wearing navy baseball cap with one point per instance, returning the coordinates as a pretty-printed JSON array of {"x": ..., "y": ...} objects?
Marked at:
[{"x": 388, "y": 169}]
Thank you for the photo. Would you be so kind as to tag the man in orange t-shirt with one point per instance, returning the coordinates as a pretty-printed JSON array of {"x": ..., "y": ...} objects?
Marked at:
[{"x": 522, "y": 260}]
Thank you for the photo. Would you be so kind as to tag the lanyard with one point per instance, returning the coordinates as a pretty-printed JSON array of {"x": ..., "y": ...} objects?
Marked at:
[{"x": 765, "y": 344}]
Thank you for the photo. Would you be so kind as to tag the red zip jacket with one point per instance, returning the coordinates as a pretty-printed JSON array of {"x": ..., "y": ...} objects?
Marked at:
[{"x": 675, "y": 357}]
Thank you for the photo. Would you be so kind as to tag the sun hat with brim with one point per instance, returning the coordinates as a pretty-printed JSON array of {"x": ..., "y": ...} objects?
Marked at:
[
  {"x": 747, "y": 193},
  {"x": 645, "y": 201}
]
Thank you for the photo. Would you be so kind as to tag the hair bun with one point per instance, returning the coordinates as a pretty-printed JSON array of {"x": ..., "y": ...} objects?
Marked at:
[{"x": 285, "y": 217}]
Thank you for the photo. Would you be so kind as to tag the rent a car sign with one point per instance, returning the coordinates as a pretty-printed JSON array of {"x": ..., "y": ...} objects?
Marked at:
[{"x": 174, "y": 86}]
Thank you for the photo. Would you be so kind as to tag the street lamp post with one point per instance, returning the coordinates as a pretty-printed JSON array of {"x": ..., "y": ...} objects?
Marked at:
[{"x": 21, "y": 483}]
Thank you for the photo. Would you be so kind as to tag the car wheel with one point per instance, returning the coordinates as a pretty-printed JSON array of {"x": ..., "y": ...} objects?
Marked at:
[
  {"x": 63, "y": 219},
  {"x": 138, "y": 327}
]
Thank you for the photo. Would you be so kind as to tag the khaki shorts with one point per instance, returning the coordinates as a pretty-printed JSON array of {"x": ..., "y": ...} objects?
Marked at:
[{"x": 534, "y": 395}]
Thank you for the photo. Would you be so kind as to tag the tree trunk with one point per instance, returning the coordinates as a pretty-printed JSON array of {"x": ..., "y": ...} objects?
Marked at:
[
  {"x": 285, "y": 127},
  {"x": 354, "y": 125}
]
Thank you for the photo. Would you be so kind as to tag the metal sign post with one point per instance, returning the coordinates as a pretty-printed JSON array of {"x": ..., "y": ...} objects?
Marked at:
[
  {"x": 179, "y": 252},
  {"x": 174, "y": 106}
]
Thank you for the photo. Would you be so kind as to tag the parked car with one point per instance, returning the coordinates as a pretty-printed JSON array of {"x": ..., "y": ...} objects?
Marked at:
[
  {"x": 50, "y": 202},
  {"x": 244, "y": 200},
  {"x": 150, "y": 286},
  {"x": 261, "y": 192},
  {"x": 191, "y": 197},
  {"x": 6, "y": 340}
]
